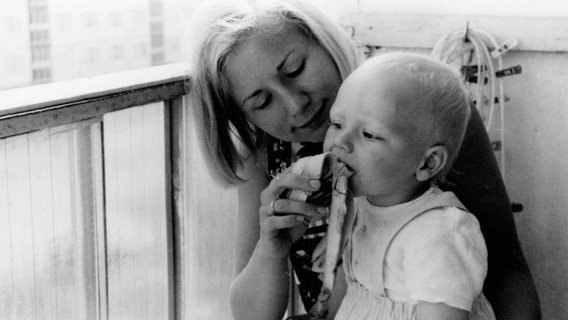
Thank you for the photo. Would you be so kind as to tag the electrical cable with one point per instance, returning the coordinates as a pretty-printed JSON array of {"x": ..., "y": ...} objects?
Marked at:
[{"x": 468, "y": 50}]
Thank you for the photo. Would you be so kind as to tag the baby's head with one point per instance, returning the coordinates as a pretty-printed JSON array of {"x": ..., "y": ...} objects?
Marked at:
[{"x": 398, "y": 121}]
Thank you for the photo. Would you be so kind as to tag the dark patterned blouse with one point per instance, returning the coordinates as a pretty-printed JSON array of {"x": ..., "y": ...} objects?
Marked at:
[{"x": 279, "y": 156}]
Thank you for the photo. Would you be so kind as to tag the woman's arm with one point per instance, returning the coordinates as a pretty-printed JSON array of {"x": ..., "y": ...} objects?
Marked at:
[
  {"x": 260, "y": 288},
  {"x": 247, "y": 228},
  {"x": 477, "y": 182}
]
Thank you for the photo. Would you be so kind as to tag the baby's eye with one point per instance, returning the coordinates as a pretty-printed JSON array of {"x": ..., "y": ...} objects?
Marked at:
[
  {"x": 371, "y": 136},
  {"x": 297, "y": 71},
  {"x": 336, "y": 125}
]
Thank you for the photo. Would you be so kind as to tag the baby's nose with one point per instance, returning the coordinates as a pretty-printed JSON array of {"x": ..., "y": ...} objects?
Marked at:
[{"x": 343, "y": 141}]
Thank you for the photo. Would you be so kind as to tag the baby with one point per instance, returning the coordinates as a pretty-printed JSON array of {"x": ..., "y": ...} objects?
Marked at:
[{"x": 414, "y": 251}]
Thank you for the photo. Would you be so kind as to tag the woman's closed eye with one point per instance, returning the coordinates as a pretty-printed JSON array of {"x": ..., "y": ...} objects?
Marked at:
[
  {"x": 297, "y": 70},
  {"x": 264, "y": 103}
]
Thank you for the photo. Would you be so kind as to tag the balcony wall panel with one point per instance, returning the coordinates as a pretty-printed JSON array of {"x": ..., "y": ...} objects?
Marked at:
[{"x": 47, "y": 221}]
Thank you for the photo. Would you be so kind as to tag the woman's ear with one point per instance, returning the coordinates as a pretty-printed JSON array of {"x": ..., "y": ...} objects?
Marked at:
[{"x": 434, "y": 160}]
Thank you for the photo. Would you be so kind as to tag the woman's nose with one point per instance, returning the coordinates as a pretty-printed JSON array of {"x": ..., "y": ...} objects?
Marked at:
[{"x": 296, "y": 101}]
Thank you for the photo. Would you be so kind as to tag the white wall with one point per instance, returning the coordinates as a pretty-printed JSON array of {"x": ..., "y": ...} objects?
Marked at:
[{"x": 538, "y": 171}]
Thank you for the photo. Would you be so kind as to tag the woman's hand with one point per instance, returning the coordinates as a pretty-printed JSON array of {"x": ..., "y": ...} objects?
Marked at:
[{"x": 283, "y": 221}]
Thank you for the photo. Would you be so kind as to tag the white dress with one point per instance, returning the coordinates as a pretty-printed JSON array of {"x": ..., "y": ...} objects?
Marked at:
[{"x": 424, "y": 250}]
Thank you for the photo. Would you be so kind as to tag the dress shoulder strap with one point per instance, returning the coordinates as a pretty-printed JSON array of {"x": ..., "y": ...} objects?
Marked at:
[{"x": 436, "y": 201}]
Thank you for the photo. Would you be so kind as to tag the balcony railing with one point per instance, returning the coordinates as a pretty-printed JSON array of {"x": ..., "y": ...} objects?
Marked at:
[
  {"x": 38, "y": 107},
  {"x": 106, "y": 210}
]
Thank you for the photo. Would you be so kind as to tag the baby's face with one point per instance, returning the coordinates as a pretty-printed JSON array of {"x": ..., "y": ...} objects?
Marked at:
[{"x": 374, "y": 125}]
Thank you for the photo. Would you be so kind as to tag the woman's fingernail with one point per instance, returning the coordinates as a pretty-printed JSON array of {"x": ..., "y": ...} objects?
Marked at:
[
  {"x": 322, "y": 210},
  {"x": 315, "y": 184},
  {"x": 300, "y": 218}
]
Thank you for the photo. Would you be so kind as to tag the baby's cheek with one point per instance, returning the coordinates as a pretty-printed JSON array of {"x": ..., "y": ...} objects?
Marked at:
[
  {"x": 355, "y": 186},
  {"x": 328, "y": 141}
]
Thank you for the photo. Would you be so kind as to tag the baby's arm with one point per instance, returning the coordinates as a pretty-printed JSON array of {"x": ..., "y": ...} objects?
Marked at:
[{"x": 446, "y": 267}]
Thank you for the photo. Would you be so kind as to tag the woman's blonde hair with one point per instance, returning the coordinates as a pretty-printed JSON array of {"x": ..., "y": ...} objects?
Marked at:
[{"x": 215, "y": 31}]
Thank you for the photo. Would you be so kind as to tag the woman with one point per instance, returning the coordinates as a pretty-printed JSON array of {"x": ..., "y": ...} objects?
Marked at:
[{"x": 264, "y": 77}]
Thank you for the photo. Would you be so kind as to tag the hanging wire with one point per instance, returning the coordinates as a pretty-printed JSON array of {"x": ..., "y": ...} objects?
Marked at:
[{"x": 468, "y": 50}]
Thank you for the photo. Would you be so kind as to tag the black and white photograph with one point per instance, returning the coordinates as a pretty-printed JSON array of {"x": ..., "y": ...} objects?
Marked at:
[{"x": 283, "y": 160}]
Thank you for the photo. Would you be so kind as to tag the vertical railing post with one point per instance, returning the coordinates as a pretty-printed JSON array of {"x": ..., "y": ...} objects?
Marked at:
[{"x": 177, "y": 127}]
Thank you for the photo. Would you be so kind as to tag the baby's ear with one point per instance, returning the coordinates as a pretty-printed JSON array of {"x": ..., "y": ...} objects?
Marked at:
[{"x": 434, "y": 160}]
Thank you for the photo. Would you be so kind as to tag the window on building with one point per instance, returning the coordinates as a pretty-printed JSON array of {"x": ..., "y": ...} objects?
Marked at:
[
  {"x": 38, "y": 14},
  {"x": 156, "y": 25},
  {"x": 40, "y": 75},
  {"x": 34, "y": 36},
  {"x": 40, "y": 53},
  {"x": 157, "y": 58},
  {"x": 156, "y": 8},
  {"x": 157, "y": 40}
]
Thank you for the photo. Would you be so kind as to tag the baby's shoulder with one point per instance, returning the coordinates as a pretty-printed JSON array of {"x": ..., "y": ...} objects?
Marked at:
[{"x": 440, "y": 222}]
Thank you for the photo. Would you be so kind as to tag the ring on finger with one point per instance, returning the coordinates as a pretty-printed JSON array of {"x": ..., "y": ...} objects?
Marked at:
[{"x": 274, "y": 212}]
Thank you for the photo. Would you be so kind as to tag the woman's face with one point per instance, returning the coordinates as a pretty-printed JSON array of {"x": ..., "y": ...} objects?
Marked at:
[{"x": 284, "y": 83}]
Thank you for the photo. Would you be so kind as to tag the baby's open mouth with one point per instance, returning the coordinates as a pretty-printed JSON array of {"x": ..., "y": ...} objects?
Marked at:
[{"x": 348, "y": 167}]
